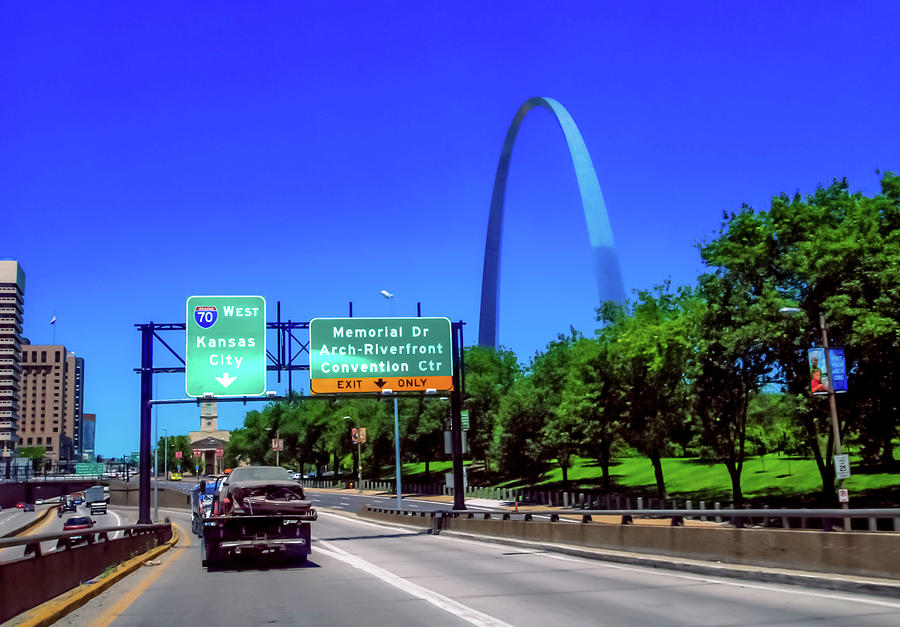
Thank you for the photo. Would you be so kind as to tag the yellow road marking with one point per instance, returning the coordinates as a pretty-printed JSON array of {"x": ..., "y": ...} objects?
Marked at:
[{"x": 117, "y": 608}]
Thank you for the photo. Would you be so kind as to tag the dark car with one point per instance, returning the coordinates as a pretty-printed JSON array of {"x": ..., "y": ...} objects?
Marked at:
[
  {"x": 74, "y": 523},
  {"x": 28, "y": 507}
]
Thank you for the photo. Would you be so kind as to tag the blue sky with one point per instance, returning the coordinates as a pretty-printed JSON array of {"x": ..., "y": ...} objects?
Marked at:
[{"x": 316, "y": 153}]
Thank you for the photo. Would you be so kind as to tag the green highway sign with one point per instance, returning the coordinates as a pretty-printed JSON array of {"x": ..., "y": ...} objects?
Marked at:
[
  {"x": 90, "y": 468},
  {"x": 352, "y": 355},
  {"x": 226, "y": 346},
  {"x": 465, "y": 419}
]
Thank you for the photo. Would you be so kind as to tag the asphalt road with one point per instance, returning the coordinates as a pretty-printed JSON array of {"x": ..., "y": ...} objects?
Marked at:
[
  {"x": 363, "y": 573},
  {"x": 12, "y": 518},
  {"x": 350, "y": 502}
]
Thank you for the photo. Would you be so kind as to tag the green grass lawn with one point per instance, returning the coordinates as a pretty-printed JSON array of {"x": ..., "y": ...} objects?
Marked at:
[{"x": 771, "y": 478}]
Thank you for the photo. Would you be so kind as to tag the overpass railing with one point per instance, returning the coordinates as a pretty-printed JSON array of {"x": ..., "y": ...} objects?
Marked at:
[{"x": 77, "y": 557}]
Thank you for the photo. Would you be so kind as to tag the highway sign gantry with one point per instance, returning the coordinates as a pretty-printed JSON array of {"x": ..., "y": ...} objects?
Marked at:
[
  {"x": 356, "y": 355},
  {"x": 226, "y": 346}
]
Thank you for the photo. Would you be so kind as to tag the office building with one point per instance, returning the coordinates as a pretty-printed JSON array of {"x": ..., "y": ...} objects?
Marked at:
[
  {"x": 88, "y": 432},
  {"x": 78, "y": 409},
  {"x": 50, "y": 379},
  {"x": 12, "y": 295}
]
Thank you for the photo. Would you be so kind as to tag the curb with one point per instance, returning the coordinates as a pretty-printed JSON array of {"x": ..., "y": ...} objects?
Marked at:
[
  {"x": 827, "y": 581},
  {"x": 38, "y": 520},
  {"x": 51, "y": 611}
]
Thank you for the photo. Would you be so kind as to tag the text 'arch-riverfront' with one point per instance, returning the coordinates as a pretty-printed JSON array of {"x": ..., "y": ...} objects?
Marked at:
[{"x": 606, "y": 263}]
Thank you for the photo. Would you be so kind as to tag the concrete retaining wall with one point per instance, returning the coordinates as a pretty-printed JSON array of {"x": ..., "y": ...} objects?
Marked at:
[
  {"x": 129, "y": 495},
  {"x": 875, "y": 554}
]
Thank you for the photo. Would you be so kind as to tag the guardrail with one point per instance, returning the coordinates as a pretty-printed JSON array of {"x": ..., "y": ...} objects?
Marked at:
[
  {"x": 78, "y": 556},
  {"x": 830, "y": 519}
]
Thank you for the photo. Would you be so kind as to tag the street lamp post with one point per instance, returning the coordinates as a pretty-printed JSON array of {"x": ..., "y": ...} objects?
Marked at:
[
  {"x": 156, "y": 471},
  {"x": 832, "y": 403},
  {"x": 166, "y": 452}
]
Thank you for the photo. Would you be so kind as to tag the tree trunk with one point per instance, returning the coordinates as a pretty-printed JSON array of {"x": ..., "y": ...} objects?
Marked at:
[
  {"x": 888, "y": 456},
  {"x": 825, "y": 466},
  {"x": 658, "y": 472},
  {"x": 427, "y": 471},
  {"x": 604, "y": 459},
  {"x": 565, "y": 471},
  {"x": 734, "y": 471}
]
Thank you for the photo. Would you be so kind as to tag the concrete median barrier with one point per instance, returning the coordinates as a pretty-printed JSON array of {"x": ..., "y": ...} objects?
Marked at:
[{"x": 858, "y": 553}]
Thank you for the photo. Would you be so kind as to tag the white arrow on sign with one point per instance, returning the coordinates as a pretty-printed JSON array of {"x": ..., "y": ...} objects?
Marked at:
[{"x": 225, "y": 380}]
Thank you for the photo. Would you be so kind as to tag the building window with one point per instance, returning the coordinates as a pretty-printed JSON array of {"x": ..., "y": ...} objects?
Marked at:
[
  {"x": 57, "y": 357},
  {"x": 43, "y": 357}
]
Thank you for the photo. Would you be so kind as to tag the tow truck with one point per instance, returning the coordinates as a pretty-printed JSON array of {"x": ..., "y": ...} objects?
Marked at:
[{"x": 256, "y": 511}]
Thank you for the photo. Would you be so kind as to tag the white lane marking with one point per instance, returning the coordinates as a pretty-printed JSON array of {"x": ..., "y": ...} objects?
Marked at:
[
  {"x": 117, "y": 534},
  {"x": 651, "y": 570},
  {"x": 438, "y": 600}
]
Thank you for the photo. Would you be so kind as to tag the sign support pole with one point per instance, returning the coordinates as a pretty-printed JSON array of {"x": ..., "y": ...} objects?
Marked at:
[
  {"x": 146, "y": 395},
  {"x": 397, "y": 454},
  {"x": 459, "y": 490}
]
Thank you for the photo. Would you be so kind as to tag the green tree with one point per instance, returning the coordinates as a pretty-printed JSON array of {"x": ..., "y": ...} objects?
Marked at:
[
  {"x": 34, "y": 453},
  {"x": 837, "y": 254},
  {"x": 593, "y": 395},
  {"x": 563, "y": 432},
  {"x": 733, "y": 356},
  {"x": 518, "y": 431},
  {"x": 488, "y": 375},
  {"x": 652, "y": 362}
]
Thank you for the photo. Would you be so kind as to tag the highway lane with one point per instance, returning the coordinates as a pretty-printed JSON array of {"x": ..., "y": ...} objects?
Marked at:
[
  {"x": 12, "y": 518},
  {"x": 54, "y": 524},
  {"x": 353, "y": 502},
  {"x": 367, "y": 573}
]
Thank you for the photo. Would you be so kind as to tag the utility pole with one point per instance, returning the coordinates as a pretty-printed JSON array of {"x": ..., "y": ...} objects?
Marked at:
[
  {"x": 832, "y": 405},
  {"x": 459, "y": 489}
]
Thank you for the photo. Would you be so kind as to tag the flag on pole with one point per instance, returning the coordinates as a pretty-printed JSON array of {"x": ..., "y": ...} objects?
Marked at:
[{"x": 53, "y": 320}]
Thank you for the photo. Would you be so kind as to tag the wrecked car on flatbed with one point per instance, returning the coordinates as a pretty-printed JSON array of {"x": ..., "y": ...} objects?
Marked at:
[{"x": 257, "y": 510}]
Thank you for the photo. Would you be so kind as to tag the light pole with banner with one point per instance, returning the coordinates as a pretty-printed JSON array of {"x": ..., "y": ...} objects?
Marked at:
[{"x": 832, "y": 403}]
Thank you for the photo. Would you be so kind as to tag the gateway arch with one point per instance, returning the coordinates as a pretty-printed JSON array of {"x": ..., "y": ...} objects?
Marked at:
[{"x": 606, "y": 263}]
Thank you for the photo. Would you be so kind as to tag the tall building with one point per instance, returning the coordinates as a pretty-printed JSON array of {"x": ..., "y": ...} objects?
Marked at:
[
  {"x": 78, "y": 409},
  {"x": 50, "y": 379},
  {"x": 88, "y": 433},
  {"x": 12, "y": 295}
]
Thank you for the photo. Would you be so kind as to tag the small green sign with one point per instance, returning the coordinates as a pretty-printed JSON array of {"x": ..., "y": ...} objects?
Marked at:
[
  {"x": 89, "y": 468},
  {"x": 465, "y": 419},
  {"x": 226, "y": 346}
]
